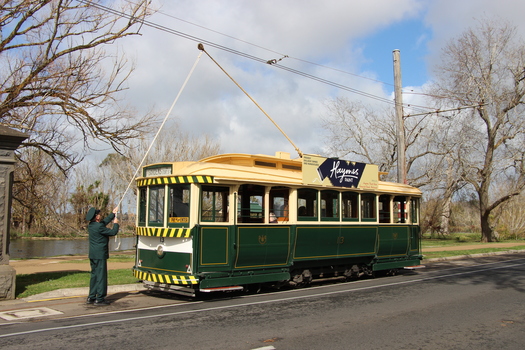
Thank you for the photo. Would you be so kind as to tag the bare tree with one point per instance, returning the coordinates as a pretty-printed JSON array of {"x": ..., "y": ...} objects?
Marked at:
[
  {"x": 484, "y": 67},
  {"x": 173, "y": 144},
  {"x": 359, "y": 133},
  {"x": 37, "y": 193},
  {"x": 61, "y": 85},
  {"x": 510, "y": 218},
  {"x": 53, "y": 81}
]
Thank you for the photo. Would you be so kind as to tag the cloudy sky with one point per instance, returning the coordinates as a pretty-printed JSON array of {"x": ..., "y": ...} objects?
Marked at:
[{"x": 344, "y": 42}]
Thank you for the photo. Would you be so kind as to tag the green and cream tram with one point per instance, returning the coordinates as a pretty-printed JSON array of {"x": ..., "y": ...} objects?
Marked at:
[{"x": 234, "y": 220}]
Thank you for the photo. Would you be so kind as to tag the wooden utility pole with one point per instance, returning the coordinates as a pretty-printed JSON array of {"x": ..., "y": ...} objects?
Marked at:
[{"x": 400, "y": 124}]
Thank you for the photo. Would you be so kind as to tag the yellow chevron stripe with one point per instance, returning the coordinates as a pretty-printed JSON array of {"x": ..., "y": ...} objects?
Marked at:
[
  {"x": 174, "y": 179},
  {"x": 163, "y": 232},
  {"x": 185, "y": 280}
]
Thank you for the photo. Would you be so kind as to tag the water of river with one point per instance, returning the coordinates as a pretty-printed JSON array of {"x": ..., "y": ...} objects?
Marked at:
[{"x": 28, "y": 248}]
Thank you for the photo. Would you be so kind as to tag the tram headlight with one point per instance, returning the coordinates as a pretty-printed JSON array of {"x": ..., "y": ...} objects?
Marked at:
[{"x": 160, "y": 251}]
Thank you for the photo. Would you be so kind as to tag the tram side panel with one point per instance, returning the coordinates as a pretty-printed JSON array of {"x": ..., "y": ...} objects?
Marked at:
[
  {"x": 398, "y": 247},
  {"x": 213, "y": 248},
  {"x": 379, "y": 247},
  {"x": 393, "y": 241},
  {"x": 262, "y": 247},
  {"x": 241, "y": 255},
  {"x": 343, "y": 243},
  {"x": 219, "y": 256}
]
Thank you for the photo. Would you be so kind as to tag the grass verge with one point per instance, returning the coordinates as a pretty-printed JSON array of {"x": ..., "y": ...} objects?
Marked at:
[
  {"x": 445, "y": 254},
  {"x": 36, "y": 283}
]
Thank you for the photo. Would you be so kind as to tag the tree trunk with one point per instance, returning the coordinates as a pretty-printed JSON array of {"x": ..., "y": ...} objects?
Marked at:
[
  {"x": 486, "y": 229},
  {"x": 447, "y": 198},
  {"x": 445, "y": 217},
  {"x": 487, "y": 234}
]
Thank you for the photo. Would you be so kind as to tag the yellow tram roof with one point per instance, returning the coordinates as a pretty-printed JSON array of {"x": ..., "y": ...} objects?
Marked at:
[{"x": 258, "y": 168}]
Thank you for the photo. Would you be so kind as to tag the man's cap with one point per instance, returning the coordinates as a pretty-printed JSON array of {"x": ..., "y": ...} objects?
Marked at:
[{"x": 92, "y": 212}]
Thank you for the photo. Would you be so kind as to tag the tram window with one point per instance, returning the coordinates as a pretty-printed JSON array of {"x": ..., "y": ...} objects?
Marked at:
[
  {"x": 350, "y": 205},
  {"x": 156, "y": 205},
  {"x": 251, "y": 203},
  {"x": 400, "y": 214},
  {"x": 178, "y": 203},
  {"x": 384, "y": 208},
  {"x": 414, "y": 210},
  {"x": 329, "y": 205},
  {"x": 279, "y": 204},
  {"x": 143, "y": 200},
  {"x": 306, "y": 204},
  {"x": 214, "y": 203},
  {"x": 368, "y": 206}
]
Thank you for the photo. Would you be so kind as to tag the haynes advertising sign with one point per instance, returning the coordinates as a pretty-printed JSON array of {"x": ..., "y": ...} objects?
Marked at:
[{"x": 337, "y": 172}]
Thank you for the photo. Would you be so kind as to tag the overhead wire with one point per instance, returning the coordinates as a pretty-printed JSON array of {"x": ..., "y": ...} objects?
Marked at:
[
  {"x": 273, "y": 61},
  {"x": 254, "y": 58},
  {"x": 273, "y": 51},
  {"x": 162, "y": 125}
]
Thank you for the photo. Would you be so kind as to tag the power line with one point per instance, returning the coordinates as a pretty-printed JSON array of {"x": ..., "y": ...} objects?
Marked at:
[
  {"x": 248, "y": 56},
  {"x": 273, "y": 51}
]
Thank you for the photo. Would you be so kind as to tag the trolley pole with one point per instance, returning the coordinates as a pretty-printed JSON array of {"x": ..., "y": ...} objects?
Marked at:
[{"x": 400, "y": 124}]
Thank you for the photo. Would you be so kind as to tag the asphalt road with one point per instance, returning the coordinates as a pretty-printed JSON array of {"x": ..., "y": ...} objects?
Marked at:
[{"x": 472, "y": 304}]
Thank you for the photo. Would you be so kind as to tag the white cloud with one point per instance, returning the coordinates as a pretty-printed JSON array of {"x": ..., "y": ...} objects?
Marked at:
[
  {"x": 449, "y": 18},
  {"x": 318, "y": 31}
]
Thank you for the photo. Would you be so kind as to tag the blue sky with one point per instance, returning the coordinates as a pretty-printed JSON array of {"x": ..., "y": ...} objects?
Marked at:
[
  {"x": 354, "y": 38},
  {"x": 410, "y": 37}
]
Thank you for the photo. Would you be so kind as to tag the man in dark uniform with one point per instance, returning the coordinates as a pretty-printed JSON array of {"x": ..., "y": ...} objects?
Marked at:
[{"x": 99, "y": 253}]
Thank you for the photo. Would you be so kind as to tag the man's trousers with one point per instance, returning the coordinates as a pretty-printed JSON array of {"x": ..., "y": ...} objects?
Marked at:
[{"x": 98, "y": 284}]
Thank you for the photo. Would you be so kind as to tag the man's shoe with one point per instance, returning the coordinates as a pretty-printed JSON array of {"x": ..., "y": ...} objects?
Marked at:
[
  {"x": 90, "y": 301},
  {"x": 101, "y": 302}
]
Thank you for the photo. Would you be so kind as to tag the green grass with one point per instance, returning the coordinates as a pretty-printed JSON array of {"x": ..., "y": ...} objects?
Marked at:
[
  {"x": 444, "y": 254},
  {"x": 452, "y": 239},
  {"x": 36, "y": 283}
]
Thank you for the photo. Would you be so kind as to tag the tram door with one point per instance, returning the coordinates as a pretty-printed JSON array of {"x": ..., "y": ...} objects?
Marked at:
[
  {"x": 262, "y": 237},
  {"x": 214, "y": 234}
]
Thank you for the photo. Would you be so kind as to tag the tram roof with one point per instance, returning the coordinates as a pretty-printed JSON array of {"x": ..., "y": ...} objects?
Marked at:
[{"x": 258, "y": 168}]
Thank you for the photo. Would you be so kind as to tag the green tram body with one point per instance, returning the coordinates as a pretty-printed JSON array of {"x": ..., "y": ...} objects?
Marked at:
[{"x": 234, "y": 220}]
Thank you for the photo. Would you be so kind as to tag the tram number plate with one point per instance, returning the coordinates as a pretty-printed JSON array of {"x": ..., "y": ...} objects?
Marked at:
[{"x": 179, "y": 220}]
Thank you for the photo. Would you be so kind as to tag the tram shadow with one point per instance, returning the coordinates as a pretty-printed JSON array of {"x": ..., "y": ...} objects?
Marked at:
[
  {"x": 259, "y": 289},
  {"x": 501, "y": 271},
  {"x": 212, "y": 296}
]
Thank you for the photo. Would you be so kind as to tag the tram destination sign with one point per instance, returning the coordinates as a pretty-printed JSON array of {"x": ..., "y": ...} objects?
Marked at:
[
  {"x": 337, "y": 172},
  {"x": 158, "y": 170}
]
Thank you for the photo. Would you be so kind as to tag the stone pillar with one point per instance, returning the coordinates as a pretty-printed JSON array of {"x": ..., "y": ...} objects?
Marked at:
[{"x": 9, "y": 142}]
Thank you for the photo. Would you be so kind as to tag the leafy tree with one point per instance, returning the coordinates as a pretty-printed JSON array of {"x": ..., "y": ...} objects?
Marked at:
[{"x": 84, "y": 198}]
